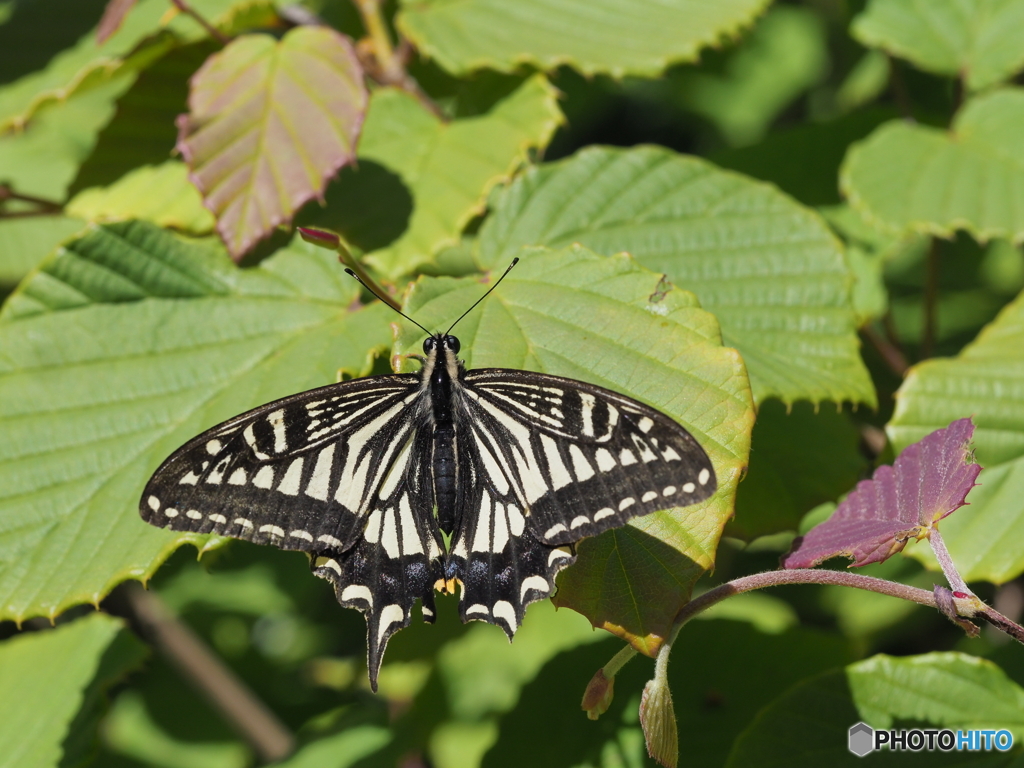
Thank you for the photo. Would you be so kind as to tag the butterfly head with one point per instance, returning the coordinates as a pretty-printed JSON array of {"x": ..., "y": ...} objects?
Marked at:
[{"x": 441, "y": 350}]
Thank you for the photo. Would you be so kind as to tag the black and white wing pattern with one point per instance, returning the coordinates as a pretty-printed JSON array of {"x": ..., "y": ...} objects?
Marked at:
[
  {"x": 338, "y": 472},
  {"x": 363, "y": 476},
  {"x": 551, "y": 461}
]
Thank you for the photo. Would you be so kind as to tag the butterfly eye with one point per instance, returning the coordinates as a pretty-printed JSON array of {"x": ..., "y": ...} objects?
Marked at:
[
  {"x": 452, "y": 343},
  {"x": 428, "y": 344}
]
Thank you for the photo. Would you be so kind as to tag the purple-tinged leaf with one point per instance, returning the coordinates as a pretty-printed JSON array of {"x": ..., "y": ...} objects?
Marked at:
[
  {"x": 113, "y": 16},
  {"x": 928, "y": 481},
  {"x": 270, "y": 123}
]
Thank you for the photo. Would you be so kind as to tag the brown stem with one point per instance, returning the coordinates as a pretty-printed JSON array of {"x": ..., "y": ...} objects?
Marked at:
[
  {"x": 188, "y": 10},
  {"x": 967, "y": 607},
  {"x": 388, "y": 64},
  {"x": 931, "y": 300},
  {"x": 267, "y": 735},
  {"x": 8, "y": 193},
  {"x": 888, "y": 351}
]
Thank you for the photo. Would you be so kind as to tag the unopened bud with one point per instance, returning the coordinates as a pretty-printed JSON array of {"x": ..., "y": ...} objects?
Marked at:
[
  {"x": 598, "y": 696},
  {"x": 658, "y": 719},
  {"x": 320, "y": 237}
]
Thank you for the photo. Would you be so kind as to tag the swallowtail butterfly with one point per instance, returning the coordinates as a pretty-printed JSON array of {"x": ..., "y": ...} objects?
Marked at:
[{"x": 512, "y": 466}]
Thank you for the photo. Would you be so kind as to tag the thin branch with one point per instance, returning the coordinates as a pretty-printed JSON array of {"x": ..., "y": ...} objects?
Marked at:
[
  {"x": 8, "y": 193},
  {"x": 953, "y": 576},
  {"x": 931, "y": 301},
  {"x": 387, "y": 64},
  {"x": 888, "y": 351},
  {"x": 967, "y": 607},
  {"x": 211, "y": 30},
  {"x": 267, "y": 735}
]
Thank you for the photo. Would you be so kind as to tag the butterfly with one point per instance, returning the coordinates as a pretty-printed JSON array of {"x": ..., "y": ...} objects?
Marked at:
[{"x": 476, "y": 481}]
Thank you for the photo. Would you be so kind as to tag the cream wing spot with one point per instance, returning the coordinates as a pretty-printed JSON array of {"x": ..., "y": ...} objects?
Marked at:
[
  {"x": 537, "y": 583},
  {"x": 243, "y": 522},
  {"x": 626, "y": 503},
  {"x": 170, "y": 512},
  {"x": 554, "y": 530},
  {"x": 669, "y": 491},
  {"x": 273, "y": 530},
  {"x": 580, "y": 465},
  {"x": 328, "y": 562},
  {"x": 669, "y": 454},
  {"x": 560, "y": 476},
  {"x": 153, "y": 502},
  {"x": 500, "y": 528},
  {"x": 391, "y": 615},
  {"x": 190, "y": 479},
  {"x": 330, "y": 541},
  {"x": 578, "y": 521},
  {"x": 264, "y": 478},
  {"x": 504, "y": 610},
  {"x": 605, "y": 461},
  {"x": 356, "y": 592},
  {"x": 290, "y": 482},
  {"x": 194, "y": 514},
  {"x": 300, "y": 534},
  {"x": 556, "y": 555},
  {"x": 689, "y": 487},
  {"x": 218, "y": 519},
  {"x": 411, "y": 544},
  {"x": 319, "y": 482},
  {"x": 482, "y": 535},
  {"x": 645, "y": 424},
  {"x": 516, "y": 521},
  {"x": 213, "y": 447},
  {"x": 478, "y": 608},
  {"x": 389, "y": 534},
  {"x": 237, "y": 477},
  {"x": 649, "y": 496},
  {"x": 627, "y": 457},
  {"x": 601, "y": 514},
  {"x": 703, "y": 477}
]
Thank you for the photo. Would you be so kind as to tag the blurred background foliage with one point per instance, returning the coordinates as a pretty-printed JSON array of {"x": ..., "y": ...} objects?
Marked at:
[{"x": 782, "y": 101}]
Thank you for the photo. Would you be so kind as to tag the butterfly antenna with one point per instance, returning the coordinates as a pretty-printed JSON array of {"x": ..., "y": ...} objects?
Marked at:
[
  {"x": 496, "y": 284},
  {"x": 388, "y": 301}
]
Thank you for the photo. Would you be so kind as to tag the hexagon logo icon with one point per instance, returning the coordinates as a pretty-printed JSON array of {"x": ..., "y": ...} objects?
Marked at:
[{"x": 861, "y": 739}]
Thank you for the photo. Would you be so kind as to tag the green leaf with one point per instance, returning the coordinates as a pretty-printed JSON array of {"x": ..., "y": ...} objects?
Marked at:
[
  {"x": 420, "y": 180},
  {"x": 52, "y": 684},
  {"x": 784, "y": 55},
  {"x": 722, "y": 673},
  {"x": 798, "y": 460},
  {"x": 770, "y": 270},
  {"x": 974, "y": 39},
  {"x": 986, "y": 381},
  {"x": 129, "y": 731},
  {"x": 161, "y": 194},
  {"x": 25, "y": 242},
  {"x": 914, "y": 177},
  {"x": 949, "y": 690},
  {"x": 612, "y": 323},
  {"x": 42, "y": 159},
  {"x": 149, "y": 31},
  {"x": 127, "y": 343},
  {"x": 616, "y": 37},
  {"x": 270, "y": 122}
]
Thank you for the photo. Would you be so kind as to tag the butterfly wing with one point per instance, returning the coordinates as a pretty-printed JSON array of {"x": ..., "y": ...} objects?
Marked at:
[
  {"x": 501, "y": 565},
  {"x": 298, "y": 473},
  {"x": 341, "y": 472},
  {"x": 583, "y": 459}
]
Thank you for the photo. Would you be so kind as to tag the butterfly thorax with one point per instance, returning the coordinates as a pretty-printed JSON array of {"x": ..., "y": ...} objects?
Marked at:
[{"x": 441, "y": 372}]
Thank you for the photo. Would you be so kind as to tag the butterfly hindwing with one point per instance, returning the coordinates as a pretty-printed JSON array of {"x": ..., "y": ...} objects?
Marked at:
[
  {"x": 501, "y": 565},
  {"x": 297, "y": 473},
  {"x": 397, "y": 558}
]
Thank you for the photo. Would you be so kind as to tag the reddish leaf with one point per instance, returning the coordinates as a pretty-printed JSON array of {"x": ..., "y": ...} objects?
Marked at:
[
  {"x": 928, "y": 481},
  {"x": 113, "y": 15},
  {"x": 270, "y": 124}
]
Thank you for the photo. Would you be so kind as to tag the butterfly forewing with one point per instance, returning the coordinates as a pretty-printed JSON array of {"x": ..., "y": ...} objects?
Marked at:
[
  {"x": 299, "y": 473},
  {"x": 584, "y": 459}
]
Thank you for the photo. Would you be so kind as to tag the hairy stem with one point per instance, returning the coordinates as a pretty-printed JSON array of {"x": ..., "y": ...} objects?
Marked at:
[
  {"x": 953, "y": 576},
  {"x": 211, "y": 30},
  {"x": 618, "y": 661},
  {"x": 240, "y": 707}
]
